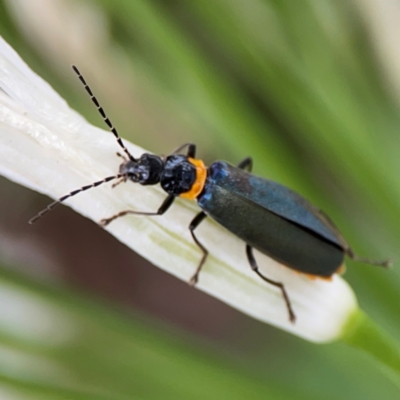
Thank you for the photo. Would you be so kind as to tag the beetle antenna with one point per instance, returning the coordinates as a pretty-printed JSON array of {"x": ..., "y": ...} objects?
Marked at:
[
  {"x": 73, "y": 193},
  {"x": 102, "y": 113}
]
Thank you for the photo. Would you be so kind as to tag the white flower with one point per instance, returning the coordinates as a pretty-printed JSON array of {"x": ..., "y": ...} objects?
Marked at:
[{"x": 50, "y": 148}]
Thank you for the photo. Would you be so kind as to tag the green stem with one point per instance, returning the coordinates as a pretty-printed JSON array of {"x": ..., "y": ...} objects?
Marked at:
[{"x": 366, "y": 335}]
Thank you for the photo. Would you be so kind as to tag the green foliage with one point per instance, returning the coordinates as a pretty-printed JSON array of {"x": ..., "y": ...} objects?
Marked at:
[{"x": 296, "y": 84}]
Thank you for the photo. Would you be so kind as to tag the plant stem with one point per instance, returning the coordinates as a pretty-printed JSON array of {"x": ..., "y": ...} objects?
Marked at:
[{"x": 364, "y": 334}]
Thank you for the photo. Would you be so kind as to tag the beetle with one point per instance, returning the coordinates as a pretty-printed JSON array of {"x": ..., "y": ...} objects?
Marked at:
[{"x": 266, "y": 215}]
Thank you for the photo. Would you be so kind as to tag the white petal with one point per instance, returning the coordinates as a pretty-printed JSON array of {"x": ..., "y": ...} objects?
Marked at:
[{"x": 48, "y": 147}]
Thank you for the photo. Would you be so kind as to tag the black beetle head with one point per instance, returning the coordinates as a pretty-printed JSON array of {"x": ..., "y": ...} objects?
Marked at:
[{"x": 146, "y": 170}]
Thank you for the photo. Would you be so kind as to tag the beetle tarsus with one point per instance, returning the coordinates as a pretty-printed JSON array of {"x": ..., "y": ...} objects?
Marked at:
[
  {"x": 194, "y": 279},
  {"x": 104, "y": 222}
]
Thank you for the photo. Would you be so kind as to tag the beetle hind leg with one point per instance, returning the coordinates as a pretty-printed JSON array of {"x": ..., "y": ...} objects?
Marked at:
[
  {"x": 379, "y": 263},
  {"x": 254, "y": 267},
  {"x": 193, "y": 225}
]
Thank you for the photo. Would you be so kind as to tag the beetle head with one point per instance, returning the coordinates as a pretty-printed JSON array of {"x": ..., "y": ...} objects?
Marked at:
[{"x": 146, "y": 170}]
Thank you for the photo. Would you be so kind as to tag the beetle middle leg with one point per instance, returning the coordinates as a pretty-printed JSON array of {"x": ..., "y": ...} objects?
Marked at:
[
  {"x": 161, "y": 210},
  {"x": 254, "y": 267},
  {"x": 246, "y": 164},
  {"x": 191, "y": 151},
  {"x": 193, "y": 225}
]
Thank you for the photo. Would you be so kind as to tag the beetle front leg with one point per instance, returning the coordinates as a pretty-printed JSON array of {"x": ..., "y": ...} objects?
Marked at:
[{"x": 162, "y": 209}]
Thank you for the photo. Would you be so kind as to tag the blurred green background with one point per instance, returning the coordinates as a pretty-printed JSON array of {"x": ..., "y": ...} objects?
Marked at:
[{"x": 310, "y": 89}]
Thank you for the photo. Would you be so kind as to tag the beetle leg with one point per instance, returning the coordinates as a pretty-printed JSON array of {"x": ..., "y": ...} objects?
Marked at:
[
  {"x": 122, "y": 156},
  {"x": 379, "y": 263},
  {"x": 193, "y": 225},
  {"x": 247, "y": 164},
  {"x": 191, "y": 152},
  {"x": 254, "y": 267},
  {"x": 123, "y": 179},
  {"x": 162, "y": 209}
]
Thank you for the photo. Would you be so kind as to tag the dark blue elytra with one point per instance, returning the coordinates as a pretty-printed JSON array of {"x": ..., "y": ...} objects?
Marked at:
[{"x": 273, "y": 219}]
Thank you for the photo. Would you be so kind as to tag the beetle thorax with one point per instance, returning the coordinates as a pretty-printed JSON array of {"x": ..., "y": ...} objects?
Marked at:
[{"x": 178, "y": 176}]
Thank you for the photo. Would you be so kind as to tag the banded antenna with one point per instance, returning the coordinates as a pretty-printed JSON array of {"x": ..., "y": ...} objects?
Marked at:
[
  {"x": 73, "y": 193},
  {"x": 98, "y": 183},
  {"x": 103, "y": 114}
]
